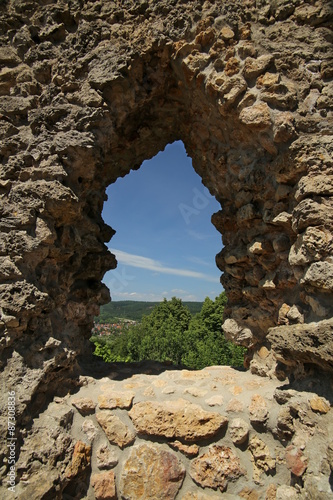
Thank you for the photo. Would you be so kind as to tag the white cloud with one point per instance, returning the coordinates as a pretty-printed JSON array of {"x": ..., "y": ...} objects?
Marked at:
[
  {"x": 199, "y": 261},
  {"x": 154, "y": 297},
  {"x": 154, "y": 265},
  {"x": 199, "y": 236}
]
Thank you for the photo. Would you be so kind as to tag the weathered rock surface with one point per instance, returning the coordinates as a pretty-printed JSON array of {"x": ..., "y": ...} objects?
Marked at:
[
  {"x": 223, "y": 465},
  {"x": 116, "y": 431},
  {"x": 67, "y": 454},
  {"x": 176, "y": 419},
  {"x": 151, "y": 473}
]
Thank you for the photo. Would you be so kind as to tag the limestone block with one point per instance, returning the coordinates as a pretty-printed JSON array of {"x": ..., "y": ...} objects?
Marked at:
[
  {"x": 320, "y": 405},
  {"x": 166, "y": 474},
  {"x": 216, "y": 468},
  {"x": 239, "y": 431},
  {"x": 176, "y": 419},
  {"x": 89, "y": 429},
  {"x": 257, "y": 116},
  {"x": 262, "y": 458},
  {"x": 105, "y": 458},
  {"x": 84, "y": 405},
  {"x": 116, "y": 431},
  {"x": 115, "y": 399},
  {"x": 237, "y": 334},
  {"x": 104, "y": 485},
  {"x": 254, "y": 67},
  {"x": 319, "y": 275},
  {"x": 307, "y": 343},
  {"x": 258, "y": 409}
]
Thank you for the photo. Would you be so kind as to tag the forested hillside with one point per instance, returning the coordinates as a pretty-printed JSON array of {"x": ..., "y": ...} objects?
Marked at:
[
  {"x": 171, "y": 333},
  {"x": 130, "y": 309}
]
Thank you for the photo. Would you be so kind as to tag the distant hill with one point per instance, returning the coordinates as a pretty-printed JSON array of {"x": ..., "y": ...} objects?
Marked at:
[{"x": 132, "y": 309}]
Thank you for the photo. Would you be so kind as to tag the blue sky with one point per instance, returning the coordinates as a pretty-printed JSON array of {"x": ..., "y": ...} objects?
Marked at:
[{"x": 165, "y": 243}]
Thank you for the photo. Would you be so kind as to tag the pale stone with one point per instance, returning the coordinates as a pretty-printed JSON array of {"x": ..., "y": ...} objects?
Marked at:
[
  {"x": 262, "y": 458},
  {"x": 285, "y": 492},
  {"x": 237, "y": 334},
  {"x": 105, "y": 458},
  {"x": 166, "y": 474},
  {"x": 84, "y": 405},
  {"x": 257, "y": 116},
  {"x": 104, "y": 485},
  {"x": 116, "y": 431},
  {"x": 115, "y": 399},
  {"x": 239, "y": 430},
  {"x": 216, "y": 400},
  {"x": 89, "y": 429},
  {"x": 176, "y": 419},
  {"x": 216, "y": 468},
  {"x": 196, "y": 392},
  {"x": 254, "y": 67},
  {"x": 258, "y": 410},
  {"x": 194, "y": 495}
]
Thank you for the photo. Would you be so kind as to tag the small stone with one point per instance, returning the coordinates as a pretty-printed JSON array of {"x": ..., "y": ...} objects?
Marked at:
[
  {"x": 104, "y": 485},
  {"x": 84, "y": 405},
  {"x": 116, "y": 431},
  {"x": 216, "y": 468},
  {"x": 227, "y": 33},
  {"x": 285, "y": 492},
  {"x": 254, "y": 67},
  {"x": 105, "y": 458},
  {"x": 263, "y": 352},
  {"x": 257, "y": 116},
  {"x": 319, "y": 404},
  {"x": 188, "y": 450},
  {"x": 196, "y": 392},
  {"x": 89, "y": 429},
  {"x": 268, "y": 79},
  {"x": 271, "y": 492},
  {"x": 261, "y": 457},
  {"x": 235, "y": 406},
  {"x": 166, "y": 474},
  {"x": 114, "y": 399},
  {"x": 296, "y": 461},
  {"x": 239, "y": 431},
  {"x": 258, "y": 410},
  {"x": 248, "y": 493},
  {"x": 216, "y": 400},
  {"x": 80, "y": 460}
]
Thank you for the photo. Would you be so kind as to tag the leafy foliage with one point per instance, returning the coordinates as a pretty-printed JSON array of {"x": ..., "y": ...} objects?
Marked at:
[{"x": 171, "y": 333}]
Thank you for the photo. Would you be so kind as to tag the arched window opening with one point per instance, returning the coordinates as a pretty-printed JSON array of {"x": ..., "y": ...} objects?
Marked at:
[{"x": 165, "y": 246}]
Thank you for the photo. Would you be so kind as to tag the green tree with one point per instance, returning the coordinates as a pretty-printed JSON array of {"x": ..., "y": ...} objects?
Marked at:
[{"x": 171, "y": 333}]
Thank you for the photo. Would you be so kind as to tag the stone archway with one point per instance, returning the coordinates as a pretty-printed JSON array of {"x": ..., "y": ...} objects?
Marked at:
[{"x": 89, "y": 91}]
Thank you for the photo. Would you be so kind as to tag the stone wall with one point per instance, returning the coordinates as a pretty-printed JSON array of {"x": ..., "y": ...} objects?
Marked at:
[
  {"x": 157, "y": 433},
  {"x": 88, "y": 90}
]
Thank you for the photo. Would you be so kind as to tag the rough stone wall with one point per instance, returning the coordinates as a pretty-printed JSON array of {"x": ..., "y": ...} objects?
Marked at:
[
  {"x": 156, "y": 433},
  {"x": 88, "y": 90}
]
